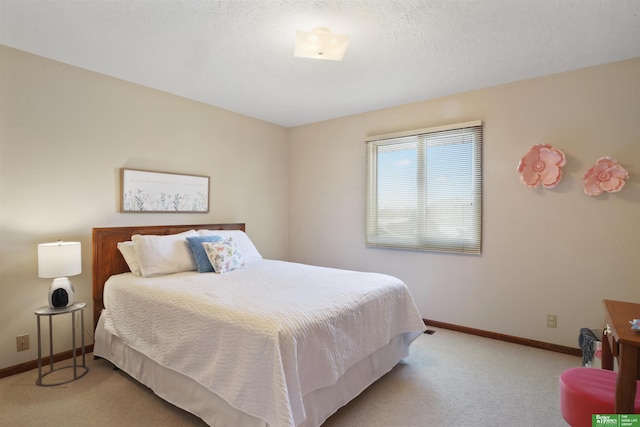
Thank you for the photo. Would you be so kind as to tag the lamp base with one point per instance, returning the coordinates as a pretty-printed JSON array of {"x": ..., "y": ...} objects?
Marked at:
[{"x": 60, "y": 293}]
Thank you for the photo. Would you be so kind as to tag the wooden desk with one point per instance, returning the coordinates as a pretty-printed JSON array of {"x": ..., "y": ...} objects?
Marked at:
[{"x": 621, "y": 342}]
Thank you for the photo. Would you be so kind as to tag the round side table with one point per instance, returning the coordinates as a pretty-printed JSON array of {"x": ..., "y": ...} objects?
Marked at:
[{"x": 78, "y": 370}]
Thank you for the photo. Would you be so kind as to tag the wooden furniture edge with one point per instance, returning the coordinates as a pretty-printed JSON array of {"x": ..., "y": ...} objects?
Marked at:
[
  {"x": 107, "y": 260},
  {"x": 502, "y": 337}
]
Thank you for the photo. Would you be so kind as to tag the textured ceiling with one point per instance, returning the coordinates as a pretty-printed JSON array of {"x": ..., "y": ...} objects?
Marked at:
[{"x": 238, "y": 54}]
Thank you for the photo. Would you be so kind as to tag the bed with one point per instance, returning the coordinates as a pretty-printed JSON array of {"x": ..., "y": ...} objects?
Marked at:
[{"x": 266, "y": 343}]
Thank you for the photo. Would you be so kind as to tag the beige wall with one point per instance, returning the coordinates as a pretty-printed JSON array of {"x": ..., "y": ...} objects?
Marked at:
[
  {"x": 552, "y": 251},
  {"x": 65, "y": 132},
  {"x": 64, "y": 135}
]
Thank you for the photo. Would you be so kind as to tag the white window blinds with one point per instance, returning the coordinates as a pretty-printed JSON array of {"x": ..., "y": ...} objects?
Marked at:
[{"x": 424, "y": 189}]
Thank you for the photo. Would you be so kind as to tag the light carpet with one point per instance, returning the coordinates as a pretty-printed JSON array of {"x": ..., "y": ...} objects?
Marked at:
[{"x": 450, "y": 379}]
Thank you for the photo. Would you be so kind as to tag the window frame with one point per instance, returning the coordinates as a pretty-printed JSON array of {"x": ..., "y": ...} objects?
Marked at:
[{"x": 470, "y": 241}]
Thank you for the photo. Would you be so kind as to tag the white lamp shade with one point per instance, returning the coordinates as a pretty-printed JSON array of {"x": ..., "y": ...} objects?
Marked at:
[{"x": 59, "y": 259}]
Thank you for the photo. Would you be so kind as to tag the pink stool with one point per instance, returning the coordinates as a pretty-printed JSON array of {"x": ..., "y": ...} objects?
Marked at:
[{"x": 588, "y": 391}]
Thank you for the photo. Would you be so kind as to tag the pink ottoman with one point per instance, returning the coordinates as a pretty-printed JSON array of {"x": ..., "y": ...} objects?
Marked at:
[{"x": 588, "y": 391}]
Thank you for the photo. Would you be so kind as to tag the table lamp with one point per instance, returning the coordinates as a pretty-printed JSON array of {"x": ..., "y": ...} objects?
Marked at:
[{"x": 59, "y": 260}]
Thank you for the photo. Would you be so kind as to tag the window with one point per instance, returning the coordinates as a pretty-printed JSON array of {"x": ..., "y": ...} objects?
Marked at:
[{"x": 424, "y": 189}]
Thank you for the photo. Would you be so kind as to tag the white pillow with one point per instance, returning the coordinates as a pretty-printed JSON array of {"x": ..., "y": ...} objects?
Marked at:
[
  {"x": 160, "y": 255},
  {"x": 224, "y": 256},
  {"x": 241, "y": 240},
  {"x": 128, "y": 251}
]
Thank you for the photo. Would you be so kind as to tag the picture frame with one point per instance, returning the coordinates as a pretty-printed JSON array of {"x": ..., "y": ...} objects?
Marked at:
[{"x": 152, "y": 191}]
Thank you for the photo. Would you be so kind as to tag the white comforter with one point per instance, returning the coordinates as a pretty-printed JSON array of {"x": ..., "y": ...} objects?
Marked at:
[{"x": 264, "y": 336}]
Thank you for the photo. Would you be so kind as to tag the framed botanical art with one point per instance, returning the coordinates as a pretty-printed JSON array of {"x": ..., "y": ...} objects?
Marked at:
[{"x": 149, "y": 191}]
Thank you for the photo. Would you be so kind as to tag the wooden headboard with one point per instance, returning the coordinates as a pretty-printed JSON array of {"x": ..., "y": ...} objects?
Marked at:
[{"x": 107, "y": 260}]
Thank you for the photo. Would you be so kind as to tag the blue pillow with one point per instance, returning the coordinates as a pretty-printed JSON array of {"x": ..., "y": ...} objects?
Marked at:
[{"x": 199, "y": 254}]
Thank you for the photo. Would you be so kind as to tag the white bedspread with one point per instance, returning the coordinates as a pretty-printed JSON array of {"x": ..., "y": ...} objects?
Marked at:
[{"x": 264, "y": 336}]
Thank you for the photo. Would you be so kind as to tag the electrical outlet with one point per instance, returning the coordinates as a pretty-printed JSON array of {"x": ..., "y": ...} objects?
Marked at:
[
  {"x": 552, "y": 320},
  {"x": 22, "y": 342}
]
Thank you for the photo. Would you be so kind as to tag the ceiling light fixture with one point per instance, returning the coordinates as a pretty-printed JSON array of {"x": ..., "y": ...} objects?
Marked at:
[{"x": 320, "y": 43}]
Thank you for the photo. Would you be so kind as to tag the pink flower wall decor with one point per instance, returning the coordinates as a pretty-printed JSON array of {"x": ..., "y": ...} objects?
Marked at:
[
  {"x": 606, "y": 175},
  {"x": 542, "y": 165}
]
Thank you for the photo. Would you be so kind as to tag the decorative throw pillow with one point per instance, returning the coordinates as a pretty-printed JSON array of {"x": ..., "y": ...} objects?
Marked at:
[
  {"x": 128, "y": 252},
  {"x": 199, "y": 254},
  {"x": 164, "y": 254},
  {"x": 224, "y": 256}
]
